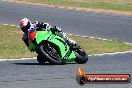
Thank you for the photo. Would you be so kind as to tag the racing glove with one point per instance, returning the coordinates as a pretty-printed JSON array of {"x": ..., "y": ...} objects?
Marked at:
[{"x": 40, "y": 25}]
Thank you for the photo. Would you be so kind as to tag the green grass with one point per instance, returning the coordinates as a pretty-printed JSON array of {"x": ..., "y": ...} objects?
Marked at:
[
  {"x": 103, "y": 4},
  {"x": 96, "y": 46},
  {"x": 11, "y": 45}
]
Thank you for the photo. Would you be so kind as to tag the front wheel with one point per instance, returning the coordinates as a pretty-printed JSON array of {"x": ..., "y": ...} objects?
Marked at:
[
  {"x": 51, "y": 52},
  {"x": 81, "y": 55}
]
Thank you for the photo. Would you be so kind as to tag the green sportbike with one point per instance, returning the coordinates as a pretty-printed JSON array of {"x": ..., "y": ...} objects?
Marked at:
[{"x": 54, "y": 49}]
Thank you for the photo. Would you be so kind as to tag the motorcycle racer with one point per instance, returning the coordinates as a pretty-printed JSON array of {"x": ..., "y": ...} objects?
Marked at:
[{"x": 28, "y": 27}]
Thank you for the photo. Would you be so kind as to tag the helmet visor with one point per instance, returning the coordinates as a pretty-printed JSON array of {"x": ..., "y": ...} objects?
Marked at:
[{"x": 25, "y": 28}]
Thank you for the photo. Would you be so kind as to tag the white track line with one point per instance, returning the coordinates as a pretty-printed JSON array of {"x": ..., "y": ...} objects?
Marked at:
[
  {"x": 103, "y": 54},
  {"x": 5, "y": 24},
  {"x": 78, "y": 36},
  {"x": 18, "y": 59},
  {"x": 115, "y": 53}
]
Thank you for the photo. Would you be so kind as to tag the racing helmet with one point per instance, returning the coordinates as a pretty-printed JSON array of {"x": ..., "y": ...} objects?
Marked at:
[{"x": 25, "y": 24}]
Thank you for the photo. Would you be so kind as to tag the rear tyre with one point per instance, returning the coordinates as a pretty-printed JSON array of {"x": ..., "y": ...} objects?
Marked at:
[
  {"x": 81, "y": 55},
  {"x": 51, "y": 52},
  {"x": 41, "y": 59}
]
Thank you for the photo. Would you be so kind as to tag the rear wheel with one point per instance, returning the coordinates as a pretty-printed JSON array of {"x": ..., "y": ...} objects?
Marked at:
[
  {"x": 41, "y": 59},
  {"x": 81, "y": 55},
  {"x": 51, "y": 52}
]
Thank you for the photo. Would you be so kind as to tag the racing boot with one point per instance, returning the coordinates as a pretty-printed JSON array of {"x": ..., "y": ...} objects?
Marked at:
[
  {"x": 59, "y": 32},
  {"x": 70, "y": 42}
]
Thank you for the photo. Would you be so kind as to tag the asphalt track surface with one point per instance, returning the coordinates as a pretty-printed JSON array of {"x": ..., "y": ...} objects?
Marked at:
[{"x": 29, "y": 74}]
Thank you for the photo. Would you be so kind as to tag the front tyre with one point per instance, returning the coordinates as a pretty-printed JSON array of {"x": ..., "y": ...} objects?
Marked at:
[
  {"x": 51, "y": 52},
  {"x": 81, "y": 55}
]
